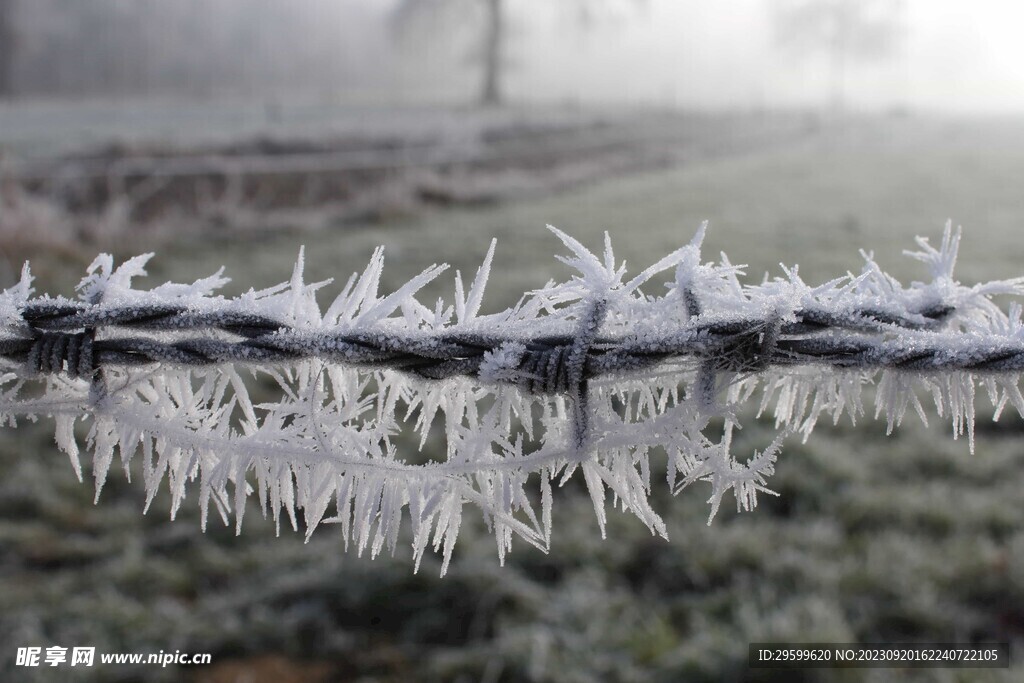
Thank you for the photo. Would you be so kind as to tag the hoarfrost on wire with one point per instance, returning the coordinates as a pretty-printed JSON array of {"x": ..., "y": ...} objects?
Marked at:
[{"x": 329, "y": 446}]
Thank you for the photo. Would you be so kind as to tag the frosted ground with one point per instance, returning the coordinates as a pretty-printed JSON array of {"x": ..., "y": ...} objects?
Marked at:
[
  {"x": 873, "y": 538},
  {"x": 45, "y": 130}
]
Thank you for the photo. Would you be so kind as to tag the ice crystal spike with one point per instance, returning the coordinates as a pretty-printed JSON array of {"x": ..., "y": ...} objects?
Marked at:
[{"x": 590, "y": 375}]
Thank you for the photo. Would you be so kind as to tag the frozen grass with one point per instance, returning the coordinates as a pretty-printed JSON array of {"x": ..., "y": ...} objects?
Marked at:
[
  {"x": 873, "y": 538},
  {"x": 815, "y": 201}
]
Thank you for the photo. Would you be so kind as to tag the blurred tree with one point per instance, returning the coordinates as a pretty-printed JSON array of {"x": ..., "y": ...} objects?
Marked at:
[
  {"x": 8, "y": 46},
  {"x": 845, "y": 30},
  {"x": 487, "y": 17},
  {"x": 490, "y": 21}
]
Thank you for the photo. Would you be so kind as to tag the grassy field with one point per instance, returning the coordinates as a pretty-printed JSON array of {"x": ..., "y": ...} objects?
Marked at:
[
  {"x": 814, "y": 201},
  {"x": 908, "y": 537}
]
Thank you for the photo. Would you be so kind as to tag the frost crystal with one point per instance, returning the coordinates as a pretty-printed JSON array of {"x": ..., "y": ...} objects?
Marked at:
[{"x": 593, "y": 374}]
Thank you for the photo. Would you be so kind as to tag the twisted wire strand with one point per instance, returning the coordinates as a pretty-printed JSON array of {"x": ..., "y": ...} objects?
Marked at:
[
  {"x": 60, "y": 316},
  {"x": 54, "y": 315},
  {"x": 552, "y": 364}
]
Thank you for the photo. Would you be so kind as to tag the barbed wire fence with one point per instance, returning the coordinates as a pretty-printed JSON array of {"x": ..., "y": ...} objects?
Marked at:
[{"x": 593, "y": 374}]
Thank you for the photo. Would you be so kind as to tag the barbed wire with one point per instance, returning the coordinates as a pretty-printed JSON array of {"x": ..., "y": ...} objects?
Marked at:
[
  {"x": 814, "y": 338},
  {"x": 860, "y": 339},
  {"x": 616, "y": 373}
]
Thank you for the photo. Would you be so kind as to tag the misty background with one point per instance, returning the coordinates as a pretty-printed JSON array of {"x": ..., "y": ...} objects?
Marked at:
[
  {"x": 234, "y": 132},
  {"x": 945, "y": 55}
]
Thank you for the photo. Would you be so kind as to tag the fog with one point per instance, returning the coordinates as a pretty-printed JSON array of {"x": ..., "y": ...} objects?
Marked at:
[
  {"x": 947, "y": 55},
  {"x": 953, "y": 56}
]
